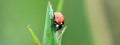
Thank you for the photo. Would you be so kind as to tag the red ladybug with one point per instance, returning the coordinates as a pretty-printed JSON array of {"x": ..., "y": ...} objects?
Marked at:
[{"x": 59, "y": 20}]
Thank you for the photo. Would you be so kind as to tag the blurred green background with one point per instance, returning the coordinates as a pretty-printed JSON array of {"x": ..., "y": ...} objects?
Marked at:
[{"x": 90, "y": 22}]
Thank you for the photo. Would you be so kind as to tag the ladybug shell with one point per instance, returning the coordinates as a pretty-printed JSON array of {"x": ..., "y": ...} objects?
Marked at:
[{"x": 59, "y": 18}]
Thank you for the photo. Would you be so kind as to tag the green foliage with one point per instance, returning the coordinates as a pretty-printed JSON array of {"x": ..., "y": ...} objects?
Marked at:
[{"x": 50, "y": 37}]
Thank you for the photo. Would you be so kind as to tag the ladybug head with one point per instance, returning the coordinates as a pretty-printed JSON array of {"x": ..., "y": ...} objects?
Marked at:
[{"x": 58, "y": 26}]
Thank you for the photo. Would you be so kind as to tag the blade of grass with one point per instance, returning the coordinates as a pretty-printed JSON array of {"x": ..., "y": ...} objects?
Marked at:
[
  {"x": 48, "y": 37},
  {"x": 37, "y": 42},
  {"x": 60, "y": 36},
  {"x": 60, "y": 5}
]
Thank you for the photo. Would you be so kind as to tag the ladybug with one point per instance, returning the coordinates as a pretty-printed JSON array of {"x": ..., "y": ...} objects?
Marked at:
[{"x": 59, "y": 20}]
